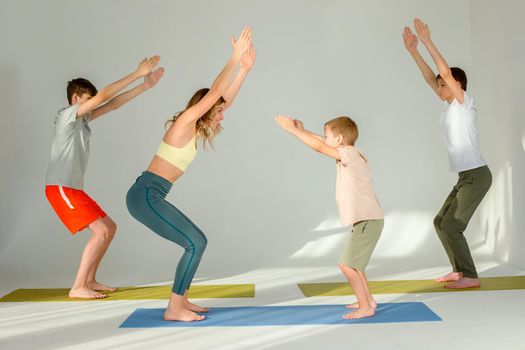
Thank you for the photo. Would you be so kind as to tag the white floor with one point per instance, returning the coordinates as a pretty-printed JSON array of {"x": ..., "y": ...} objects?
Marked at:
[{"x": 471, "y": 320}]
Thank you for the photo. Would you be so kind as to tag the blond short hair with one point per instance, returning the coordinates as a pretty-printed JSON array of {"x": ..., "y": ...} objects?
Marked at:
[{"x": 344, "y": 126}]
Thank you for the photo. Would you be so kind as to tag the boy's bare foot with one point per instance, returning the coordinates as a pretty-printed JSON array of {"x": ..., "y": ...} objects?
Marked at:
[
  {"x": 99, "y": 286},
  {"x": 194, "y": 307},
  {"x": 182, "y": 315},
  {"x": 360, "y": 313},
  {"x": 464, "y": 282},
  {"x": 450, "y": 277},
  {"x": 85, "y": 293},
  {"x": 355, "y": 305}
]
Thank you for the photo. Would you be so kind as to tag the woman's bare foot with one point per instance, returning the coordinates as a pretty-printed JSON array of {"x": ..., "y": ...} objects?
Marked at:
[
  {"x": 464, "y": 282},
  {"x": 355, "y": 305},
  {"x": 99, "y": 286},
  {"x": 450, "y": 277},
  {"x": 360, "y": 313},
  {"x": 194, "y": 307},
  {"x": 85, "y": 293},
  {"x": 182, "y": 315}
]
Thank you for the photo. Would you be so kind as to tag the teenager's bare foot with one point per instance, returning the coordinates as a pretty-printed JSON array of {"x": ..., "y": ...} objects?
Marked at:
[
  {"x": 450, "y": 277},
  {"x": 194, "y": 307},
  {"x": 85, "y": 293},
  {"x": 182, "y": 315},
  {"x": 99, "y": 286},
  {"x": 355, "y": 305},
  {"x": 360, "y": 313},
  {"x": 464, "y": 282}
]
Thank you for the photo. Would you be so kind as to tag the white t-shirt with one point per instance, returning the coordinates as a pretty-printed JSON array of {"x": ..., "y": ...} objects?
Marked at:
[{"x": 460, "y": 134}]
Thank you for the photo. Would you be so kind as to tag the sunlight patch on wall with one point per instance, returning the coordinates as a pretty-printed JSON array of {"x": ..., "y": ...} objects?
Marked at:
[{"x": 496, "y": 211}]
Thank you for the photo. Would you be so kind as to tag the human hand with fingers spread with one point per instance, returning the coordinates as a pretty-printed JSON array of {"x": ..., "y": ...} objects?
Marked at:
[
  {"x": 147, "y": 65},
  {"x": 286, "y": 122},
  {"x": 410, "y": 40},
  {"x": 243, "y": 43},
  {"x": 422, "y": 30},
  {"x": 248, "y": 58},
  {"x": 298, "y": 124},
  {"x": 153, "y": 77}
]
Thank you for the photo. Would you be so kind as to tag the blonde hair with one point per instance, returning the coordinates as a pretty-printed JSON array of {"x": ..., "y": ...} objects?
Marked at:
[
  {"x": 202, "y": 126},
  {"x": 344, "y": 126}
]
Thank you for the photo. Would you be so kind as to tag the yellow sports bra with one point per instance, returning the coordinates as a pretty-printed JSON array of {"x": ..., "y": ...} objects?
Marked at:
[{"x": 179, "y": 157}]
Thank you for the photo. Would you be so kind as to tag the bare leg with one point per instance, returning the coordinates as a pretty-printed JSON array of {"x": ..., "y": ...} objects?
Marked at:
[
  {"x": 450, "y": 277},
  {"x": 371, "y": 299},
  {"x": 356, "y": 282},
  {"x": 176, "y": 310},
  {"x": 92, "y": 283},
  {"x": 96, "y": 245},
  {"x": 191, "y": 306}
]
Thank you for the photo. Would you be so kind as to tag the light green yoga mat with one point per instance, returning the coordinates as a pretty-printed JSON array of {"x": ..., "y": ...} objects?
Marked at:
[
  {"x": 135, "y": 293},
  {"x": 409, "y": 286}
]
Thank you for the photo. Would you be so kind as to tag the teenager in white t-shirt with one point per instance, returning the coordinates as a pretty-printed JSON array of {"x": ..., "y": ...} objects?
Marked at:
[{"x": 460, "y": 135}]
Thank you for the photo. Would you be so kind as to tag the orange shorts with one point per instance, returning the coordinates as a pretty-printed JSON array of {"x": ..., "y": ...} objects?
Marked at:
[{"x": 74, "y": 207}]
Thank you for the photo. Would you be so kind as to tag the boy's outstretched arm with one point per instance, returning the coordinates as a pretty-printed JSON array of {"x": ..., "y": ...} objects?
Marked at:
[
  {"x": 107, "y": 93},
  {"x": 245, "y": 65},
  {"x": 309, "y": 139},
  {"x": 410, "y": 41},
  {"x": 150, "y": 81},
  {"x": 423, "y": 32},
  {"x": 299, "y": 124}
]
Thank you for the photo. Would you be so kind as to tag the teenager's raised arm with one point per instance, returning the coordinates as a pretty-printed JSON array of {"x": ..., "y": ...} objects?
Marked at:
[
  {"x": 107, "y": 93},
  {"x": 220, "y": 84},
  {"x": 410, "y": 41},
  {"x": 423, "y": 32},
  {"x": 150, "y": 81},
  {"x": 306, "y": 137},
  {"x": 245, "y": 65}
]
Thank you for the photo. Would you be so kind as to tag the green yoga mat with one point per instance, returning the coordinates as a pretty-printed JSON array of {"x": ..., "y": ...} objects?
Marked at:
[
  {"x": 135, "y": 293},
  {"x": 409, "y": 286}
]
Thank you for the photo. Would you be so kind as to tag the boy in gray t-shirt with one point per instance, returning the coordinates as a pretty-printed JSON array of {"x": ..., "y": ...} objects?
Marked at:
[{"x": 68, "y": 161}]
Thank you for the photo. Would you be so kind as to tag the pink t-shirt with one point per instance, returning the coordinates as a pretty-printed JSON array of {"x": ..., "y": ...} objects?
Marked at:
[{"x": 354, "y": 190}]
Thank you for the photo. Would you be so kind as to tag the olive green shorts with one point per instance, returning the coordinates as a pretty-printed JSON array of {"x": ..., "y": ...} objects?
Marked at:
[{"x": 361, "y": 244}]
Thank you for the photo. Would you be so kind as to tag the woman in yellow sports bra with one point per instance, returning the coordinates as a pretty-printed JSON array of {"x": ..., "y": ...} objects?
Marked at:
[{"x": 200, "y": 121}]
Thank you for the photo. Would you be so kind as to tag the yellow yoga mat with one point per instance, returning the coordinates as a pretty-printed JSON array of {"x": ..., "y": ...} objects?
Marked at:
[
  {"x": 135, "y": 293},
  {"x": 409, "y": 286}
]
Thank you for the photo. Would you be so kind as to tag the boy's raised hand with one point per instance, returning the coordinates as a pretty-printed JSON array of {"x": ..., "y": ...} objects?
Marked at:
[
  {"x": 285, "y": 122},
  {"x": 152, "y": 78},
  {"x": 422, "y": 30},
  {"x": 298, "y": 124},
  {"x": 248, "y": 58},
  {"x": 147, "y": 65},
  {"x": 243, "y": 43},
  {"x": 410, "y": 40}
]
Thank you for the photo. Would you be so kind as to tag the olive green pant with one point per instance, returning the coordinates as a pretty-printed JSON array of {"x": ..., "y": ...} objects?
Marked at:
[{"x": 455, "y": 214}]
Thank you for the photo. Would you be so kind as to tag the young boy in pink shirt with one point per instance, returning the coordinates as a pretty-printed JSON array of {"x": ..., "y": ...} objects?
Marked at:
[{"x": 356, "y": 200}]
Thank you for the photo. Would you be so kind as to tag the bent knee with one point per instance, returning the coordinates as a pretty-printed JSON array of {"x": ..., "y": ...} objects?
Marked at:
[
  {"x": 453, "y": 227},
  {"x": 106, "y": 232},
  {"x": 438, "y": 220},
  {"x": 346, "y": 268}
]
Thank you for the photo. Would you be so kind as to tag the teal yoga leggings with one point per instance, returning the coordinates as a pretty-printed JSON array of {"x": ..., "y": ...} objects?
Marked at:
[{"x": 146, "y": 202}]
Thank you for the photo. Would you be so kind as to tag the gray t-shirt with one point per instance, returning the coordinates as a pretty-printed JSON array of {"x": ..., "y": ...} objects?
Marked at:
[{"x": 69, "y": 150}]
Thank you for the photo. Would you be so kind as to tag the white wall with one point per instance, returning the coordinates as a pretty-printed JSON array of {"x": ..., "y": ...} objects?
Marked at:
[
  {"x": 262, "y": 198},
  {"x": 498, "y": 51}
]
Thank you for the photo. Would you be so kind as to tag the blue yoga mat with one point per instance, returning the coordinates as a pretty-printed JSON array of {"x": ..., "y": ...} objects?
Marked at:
[{"x": 284, "y": 316}]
